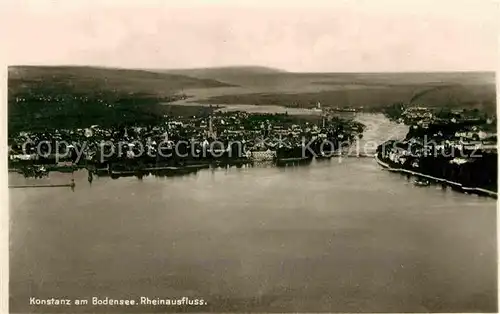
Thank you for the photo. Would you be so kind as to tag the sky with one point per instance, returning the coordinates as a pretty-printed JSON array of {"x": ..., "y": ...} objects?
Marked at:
[{"x": 302, "y": 36}]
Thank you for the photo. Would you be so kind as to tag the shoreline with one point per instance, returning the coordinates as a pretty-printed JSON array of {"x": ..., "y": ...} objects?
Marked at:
[{"x": 450, "y": 183}]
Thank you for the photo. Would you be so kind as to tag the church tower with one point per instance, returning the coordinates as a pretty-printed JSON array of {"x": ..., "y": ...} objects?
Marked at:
[{"x": 211, "y": 132}]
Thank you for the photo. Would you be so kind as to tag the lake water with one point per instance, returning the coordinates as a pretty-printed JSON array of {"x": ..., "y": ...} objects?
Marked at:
[
  {"x": 334, "y": 236},
  {"x": 252, "y": 108}
]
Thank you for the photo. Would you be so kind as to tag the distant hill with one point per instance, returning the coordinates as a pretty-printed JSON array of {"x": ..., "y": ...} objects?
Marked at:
[
  {"x": 234, "y": 75},
  {"x": 266, "y": 80},
  {"x": 370, "y": 90},
  {"x": 90, "y": 79},
  {"x": 68, "y": 96},
  {"x": 217, "y": 71},
  {"x": 263, "y": 86}
]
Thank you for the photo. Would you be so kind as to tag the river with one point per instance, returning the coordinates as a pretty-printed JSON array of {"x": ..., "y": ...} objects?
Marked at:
[{"x": 334, "y": 236}]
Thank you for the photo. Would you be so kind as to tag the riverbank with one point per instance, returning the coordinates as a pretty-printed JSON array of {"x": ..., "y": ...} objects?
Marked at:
[{"x": 455, "y": 185}]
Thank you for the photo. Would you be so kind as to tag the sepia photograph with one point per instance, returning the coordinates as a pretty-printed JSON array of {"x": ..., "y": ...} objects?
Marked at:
[{"x": 251, "y": 156}]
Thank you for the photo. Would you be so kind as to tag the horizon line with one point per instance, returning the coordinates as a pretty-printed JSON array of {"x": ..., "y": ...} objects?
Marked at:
[{"x": 275, "y": 69}]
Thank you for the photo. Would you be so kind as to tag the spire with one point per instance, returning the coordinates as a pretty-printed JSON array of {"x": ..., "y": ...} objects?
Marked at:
[{"x": 210, "y": 127}]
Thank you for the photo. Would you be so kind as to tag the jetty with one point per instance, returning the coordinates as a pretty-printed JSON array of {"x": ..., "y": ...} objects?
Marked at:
[
  {"x": 48, "y": 185},
  {"x": 70, "y": 185},
  {"x": 39, "y": 186}
]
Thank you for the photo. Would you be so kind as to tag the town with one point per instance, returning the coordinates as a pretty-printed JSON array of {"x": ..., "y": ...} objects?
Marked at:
[
  {"x": 182, "y": 144},
  {"x": 137, "y": 135},
  {"x": 458, "y": 147}
]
